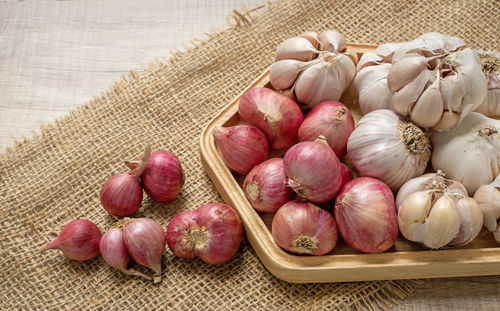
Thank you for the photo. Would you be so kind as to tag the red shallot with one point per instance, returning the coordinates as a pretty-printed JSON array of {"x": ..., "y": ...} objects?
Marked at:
[
  {"x": 332, "y": 120},
  {"x": 145, "y": 242},
  {"x": 265, "y": 186},
  {"x": 313, "y": 170},
  {"x": 276, "y": 115},
  {"x": 212, "y": 232},
  {"x": 303, "y": 228},
  {"x": 366, "y": 215},
  {"x": 79, "y": 240},
  {"x": 241, "y": 147}
]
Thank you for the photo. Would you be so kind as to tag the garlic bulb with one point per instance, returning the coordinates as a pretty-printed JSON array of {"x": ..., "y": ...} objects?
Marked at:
[
  {"x": 488, "y": 198},
  {"x": 371, "y": 80},
  {"x": 436, "y": 212},
  {"x": 386, "y": 147},
  {"x": 491, "y": 68},
  {"x": 436, "y": 81},
  {"x": 469, "y": 153},
  {"x": 314, "y": 75}
]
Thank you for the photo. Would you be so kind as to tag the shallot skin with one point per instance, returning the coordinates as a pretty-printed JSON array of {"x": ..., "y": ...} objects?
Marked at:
[
  {"x": 212, "y": 232},
  {"x": 313, "y": 171},
  {"x": 113, "y": 249},
  {"x": 241, "y": 147},
  {"x": 276, "y": 115},
  {"x": 265, "y": 186},
  {"x": 121, "y": 195},
  {"x": 304, "y": 228},
  {"x": 366, "y": 215},
  {"x": 79, "y": 240},
  {"x": 145, "y": 242},
  {"x": 331, "y": 119},
  {"x": 163, "y": 178}
]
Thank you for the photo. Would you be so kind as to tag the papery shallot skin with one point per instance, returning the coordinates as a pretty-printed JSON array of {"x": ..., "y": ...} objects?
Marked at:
[
  {"x": 366, "y": 215},
  {"x": 331, "y": 119},
  {"x": 304, "y": 228},
  {"x": 113, "y": 249},
  {"x": 241, "y": 147},
  {"x": 163, "y": 178},
  {"x": 276, "y": 115},
  {"x": 212, "y": 232},
  {"x": 266, "y": 186},
  {"x": 121, "y": 194},
  {"x": 313, "y": 171},
  {"x": 79, "y": 240},
  {"x": 145, "y": 242}
]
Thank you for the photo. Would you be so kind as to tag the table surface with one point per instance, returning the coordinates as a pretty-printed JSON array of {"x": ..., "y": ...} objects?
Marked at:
[{"x": 56, "y": 55}]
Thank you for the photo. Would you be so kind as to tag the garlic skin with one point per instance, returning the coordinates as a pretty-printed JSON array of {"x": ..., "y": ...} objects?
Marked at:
[
  {"x": 436, "y": 212},
  {"x": 491, "y": 68},
  {"x": 469, "y": 153},
  {"x": 434, "y": 74},
  {"x": 488, "y": 198},
  {"x": 386, "y": 147},
  {"x": 314, "y": 75}
]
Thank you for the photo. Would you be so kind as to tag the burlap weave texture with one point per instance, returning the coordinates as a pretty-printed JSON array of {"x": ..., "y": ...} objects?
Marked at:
[{"x": 56, "y": 177}]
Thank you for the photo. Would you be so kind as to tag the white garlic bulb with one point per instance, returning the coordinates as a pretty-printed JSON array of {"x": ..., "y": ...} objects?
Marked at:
[
  {"x": 314, "y": 75},
  {"x": 434, "y": 214},
  {"x": 488, "y": 198},
  {"x": 386, "y": 147},
  {"x": 436, "y": 81},
  {"x": 491, "y": 68},
  {"x": 469, "y": 153},
  {"x": 371, "y": 80}
]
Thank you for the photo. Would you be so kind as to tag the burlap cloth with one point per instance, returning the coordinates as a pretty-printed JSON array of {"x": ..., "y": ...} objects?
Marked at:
[{"x": 47, "y": 181}]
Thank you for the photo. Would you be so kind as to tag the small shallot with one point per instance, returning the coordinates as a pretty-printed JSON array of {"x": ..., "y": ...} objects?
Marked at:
[
  {"x": 276, "y": 115},
  {"x": 366, "y": 215},
  {"x": 313, "y": 170},
  {"x": 79, "y": 240},
  {"x": 241, "y": 146},
  {"x": 304, "y": 228},
  {"x": 332, "y": 120},
  {"x": 145, "y": 242},
  {"x": 114, "y": 252},
  {"x": 212, "y": 232},
  {"x": 265, "y": 186},
  {"x": 162, "y": 178}
]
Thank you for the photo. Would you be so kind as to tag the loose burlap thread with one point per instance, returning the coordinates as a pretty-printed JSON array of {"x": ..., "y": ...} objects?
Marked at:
[{"x": 56, "y": 177}]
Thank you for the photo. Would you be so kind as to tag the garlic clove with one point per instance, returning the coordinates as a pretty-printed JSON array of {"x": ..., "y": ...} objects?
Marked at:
[
  {"x": 346, "y": 70},
  {"x": 283, "y": 73},
  {"x": 471, "y": 221},
  {"x": 404, "y": 100},
  {"x": 352, "y": 54},
  {"x": 448, "y": 121},
  {"x": 412, "y": 215},
  {"x": 405, "y": 71},
  {"x": 318, "y": 83},
  {"x": 367, "y": 60},
  {"x": 371, "y": 86},
  {"x": 386, "y": 51},
  {"x": 443, "y": 223},
  {"x": 453, "y": 89},
  {"x": 332, "y": 41},
  {"x": 311, "y": 36},
  {"x": 428, "y": 109},
  {"x": 488, "y": 198},
  {"x": 296, "y": 48},
  {"x": 496, "y": 234}
]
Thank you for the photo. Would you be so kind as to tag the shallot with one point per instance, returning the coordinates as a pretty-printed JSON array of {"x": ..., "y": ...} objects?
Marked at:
[
  {"x": 145, "y": 242},
  {"x": 366, "y": 215},
  {"x": 79, "y": 240},
  {"x": 313, "y": 170},
  {"x": 212, "y": 232},
  {"x": 332, "y": 120},
  {"x": 265, "y": 186},
  {"x": 304, "y": 228},
  {"x": 276, "y": 115},
  {"x": 241, "y": 146}
]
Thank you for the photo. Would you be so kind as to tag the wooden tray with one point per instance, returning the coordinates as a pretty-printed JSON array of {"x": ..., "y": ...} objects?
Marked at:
[{"x": 405, "y": 260}]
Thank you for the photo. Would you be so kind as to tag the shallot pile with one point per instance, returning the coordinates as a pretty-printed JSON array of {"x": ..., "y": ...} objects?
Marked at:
[{"x": 417, "y": 98}]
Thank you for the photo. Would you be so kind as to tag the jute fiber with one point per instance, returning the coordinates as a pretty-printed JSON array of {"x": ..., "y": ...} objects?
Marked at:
[{"x": 56, "y": 177}]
